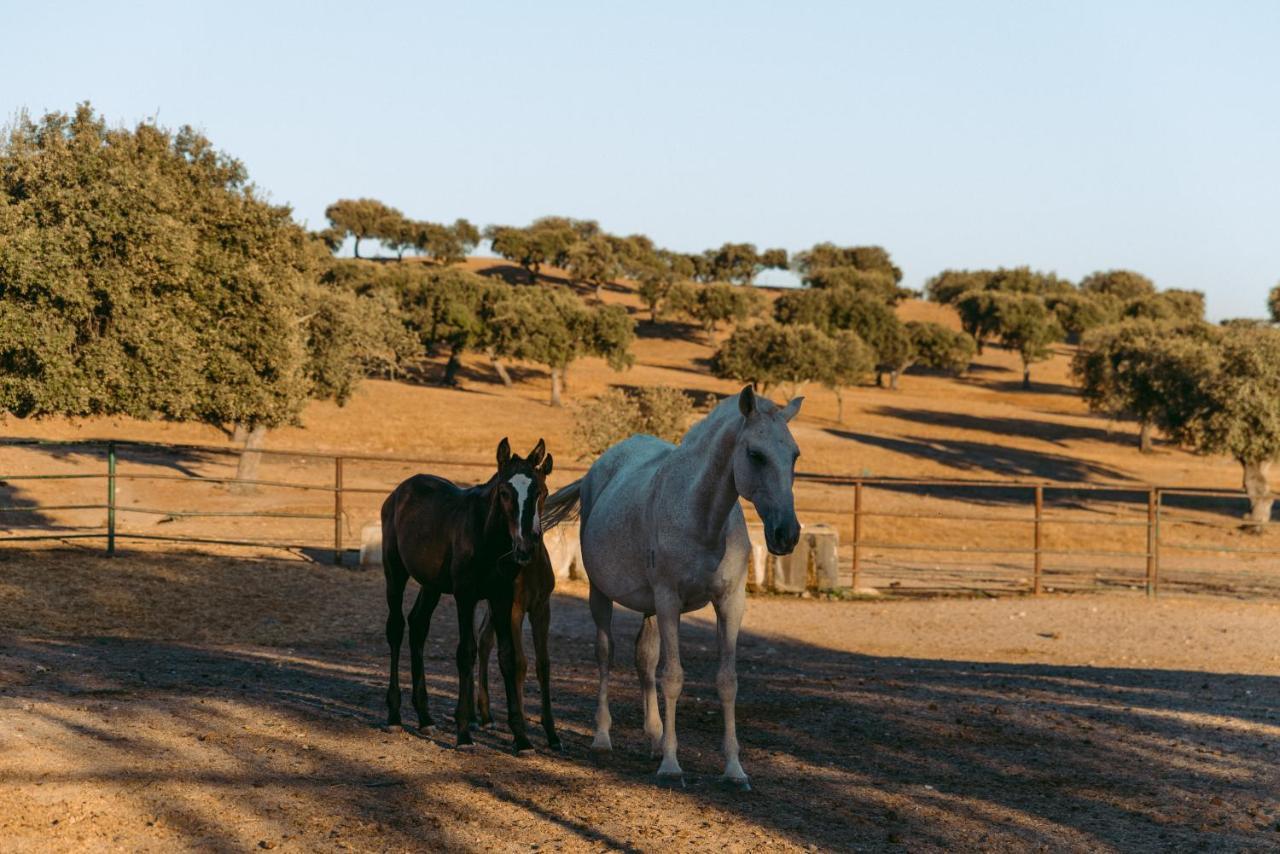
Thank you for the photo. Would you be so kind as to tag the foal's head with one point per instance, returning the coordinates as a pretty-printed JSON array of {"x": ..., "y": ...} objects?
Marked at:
[
  {"x": 518, "y": 496},
  {"x": 764, "y": 467}
]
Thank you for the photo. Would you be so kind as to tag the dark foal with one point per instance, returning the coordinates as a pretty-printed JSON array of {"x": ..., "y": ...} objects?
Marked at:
[
  {"x": 533, "y": 591},
  {"x": 472, "y": 543}
]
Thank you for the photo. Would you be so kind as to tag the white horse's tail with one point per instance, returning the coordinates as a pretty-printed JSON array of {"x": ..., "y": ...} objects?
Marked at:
[{"x": 562, "y": 506}]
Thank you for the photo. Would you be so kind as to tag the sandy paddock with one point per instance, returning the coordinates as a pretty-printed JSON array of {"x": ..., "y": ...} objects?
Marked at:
[{"x": 167, "y": 701}]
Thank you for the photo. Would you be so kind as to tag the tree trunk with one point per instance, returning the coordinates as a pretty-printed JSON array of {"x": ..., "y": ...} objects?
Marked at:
[
  {"x": 499, "y": 367},
  {"x": 247, "y": 469},
  {"x": 564, "y": 378},
  {"x": 1144, "y": 437},
  {"x": 839, "y": 406},
  {"x": 356, "y": 249},
  {"x": 978, "y": 341},
  {"x": 879, "y": 379},
  {"x": 653, "y": 314},
  {"x": 451, "y": 367},
  {"x": 240, "y": 434},
  {"x": 1026, "y": 378},
  {"x": 1258, "y": 489},
  {"x": 557, "y": 376},
  {"x": 893, "y": 380},
  {"x": 599, "y": 291}
]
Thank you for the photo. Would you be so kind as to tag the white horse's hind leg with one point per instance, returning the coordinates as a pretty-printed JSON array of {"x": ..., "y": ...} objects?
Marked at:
[
  {"x": 668, "y": 607},
  {"x": 602, "y": 613},
  {"x": 646, "y": 668},
  {"x": 729, "y": 612}
]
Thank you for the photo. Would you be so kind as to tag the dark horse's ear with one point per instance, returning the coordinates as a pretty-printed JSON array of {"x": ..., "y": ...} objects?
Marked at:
[
  {"x": 546, "y": 466},
  {"x": 504, "y": 453},
  {"x": 747, "y": 401},
  {"x": 535, "y": 456}
]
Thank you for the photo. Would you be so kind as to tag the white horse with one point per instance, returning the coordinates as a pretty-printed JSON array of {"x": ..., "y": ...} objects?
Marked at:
[{"x": 663, "y": 534}]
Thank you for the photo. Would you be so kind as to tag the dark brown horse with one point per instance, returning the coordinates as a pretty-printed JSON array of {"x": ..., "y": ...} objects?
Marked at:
[
  {"x": 533, "y": 591},
  {"x": 475, "y": 544}
]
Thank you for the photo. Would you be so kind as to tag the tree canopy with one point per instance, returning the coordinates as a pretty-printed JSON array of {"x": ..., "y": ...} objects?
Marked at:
[
  {"x": 364, "y": 219},
  {"x": 142, "y": 274}
]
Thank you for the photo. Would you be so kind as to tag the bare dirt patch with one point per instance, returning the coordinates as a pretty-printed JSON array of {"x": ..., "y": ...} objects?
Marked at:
[{"x": 161, "y": 700}]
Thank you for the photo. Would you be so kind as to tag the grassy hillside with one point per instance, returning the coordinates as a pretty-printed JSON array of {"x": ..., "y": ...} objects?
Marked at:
[{"x": 982, "y": 425}]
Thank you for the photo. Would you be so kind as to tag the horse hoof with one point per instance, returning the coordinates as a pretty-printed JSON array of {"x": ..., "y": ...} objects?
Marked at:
[
  {"x": 670, "y": 779},
  {"x": 393, "y": 728},
  {"x": 555, "y": 745},
  {"x": 602, "y": 744},
  {"x": 737, "y": 784},
  {"x": 524, "y": 751},
  {"x": 427, "y": 729}
]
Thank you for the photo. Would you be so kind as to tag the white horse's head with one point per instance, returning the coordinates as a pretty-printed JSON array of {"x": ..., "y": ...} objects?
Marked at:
[{"x": 764, "y": 467}]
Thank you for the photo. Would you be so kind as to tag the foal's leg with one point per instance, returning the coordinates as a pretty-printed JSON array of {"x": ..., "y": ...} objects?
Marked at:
[
  {"x": 419, "y": 625},
  {"x": 396, "y": 580},
  {"x": 512, "y": 663},
  {"x": 466, "y": 660},
  {"x": 646, "y": 669},
  {"x": 484, "y": 715},
  {"x": 540, "y": 619},
  {"x": 729, "y": 612},
  {"x": 602, "y": 613},
  {"x": 667, "y": 603}
]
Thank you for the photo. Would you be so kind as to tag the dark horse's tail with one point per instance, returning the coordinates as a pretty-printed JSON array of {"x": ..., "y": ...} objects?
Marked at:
[{"x": 563, "y": 506}]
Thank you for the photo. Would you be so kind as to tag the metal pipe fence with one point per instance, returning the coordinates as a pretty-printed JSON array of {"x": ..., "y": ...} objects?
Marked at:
[{"x": 912, "y": 534}]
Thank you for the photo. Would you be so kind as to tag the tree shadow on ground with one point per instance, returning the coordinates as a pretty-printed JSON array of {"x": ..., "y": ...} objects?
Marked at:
[
  {"x": 179, "y": 458},
  {"x": 1014, "y": 387},
  {"x": 1049, "y": 431},
  {"x": 19, "y": 510},
  {"x": 968, "y": 456},
  {"x": 670, "y": 330},
  {"x": 845, "y": 750}
]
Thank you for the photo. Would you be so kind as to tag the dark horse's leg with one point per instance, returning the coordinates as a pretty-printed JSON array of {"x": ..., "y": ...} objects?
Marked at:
[
  {"x": 419, "y": 625},
  {"x": 484, "y": 714},
  {"x": 397, "y": 577},
  {"x": 466, "y": 659},
  {"x": 540, "y": 619},
  {"x": 512, "y": 663}
]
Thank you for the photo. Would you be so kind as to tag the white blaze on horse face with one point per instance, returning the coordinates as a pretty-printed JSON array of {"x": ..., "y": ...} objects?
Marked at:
[{"x": 521, "y": 484}]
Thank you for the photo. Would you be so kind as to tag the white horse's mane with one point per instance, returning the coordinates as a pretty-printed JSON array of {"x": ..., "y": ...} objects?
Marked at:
[{"x": 723, "y": 411}]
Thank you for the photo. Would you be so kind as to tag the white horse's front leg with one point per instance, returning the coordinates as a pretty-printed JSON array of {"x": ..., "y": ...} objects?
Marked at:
[
  {"x": 667, "y": 604},
  {"x": 729, "y": 611}
]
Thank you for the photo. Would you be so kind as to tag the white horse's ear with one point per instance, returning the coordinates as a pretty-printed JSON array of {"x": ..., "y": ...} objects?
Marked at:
[
  {"x": 546, "y": 466},
  {"x": 747, "y": 401},
  {"x": 792, "y": 409},
  {"x": 504, "y": 453},
  {"x": 535, "y": 456}
]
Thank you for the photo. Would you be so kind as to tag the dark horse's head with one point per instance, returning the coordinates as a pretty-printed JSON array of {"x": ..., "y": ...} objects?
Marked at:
[{"x": 517, "y": 496}]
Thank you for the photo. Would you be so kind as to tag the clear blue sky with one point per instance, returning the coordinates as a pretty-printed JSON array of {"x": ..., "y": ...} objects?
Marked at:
[{"x": 1069, "y": 136}]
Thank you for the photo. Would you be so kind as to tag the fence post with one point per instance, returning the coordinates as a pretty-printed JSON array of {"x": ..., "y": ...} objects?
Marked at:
[
  {"x": 1153, "y": 540},
  {"x": 111, "y": 499},
  {"x": 1038, "y": 566},
  {"x": 337, "y": 510},
  {"x": 857, "y": 532}
]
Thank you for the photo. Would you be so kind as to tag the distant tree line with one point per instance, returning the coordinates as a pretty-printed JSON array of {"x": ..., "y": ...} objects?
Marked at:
[{"x": 1029, "y": 311}]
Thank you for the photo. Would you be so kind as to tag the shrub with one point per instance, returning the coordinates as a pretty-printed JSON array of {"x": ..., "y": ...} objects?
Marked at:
[
  {"x": 939, "y": 348},
  {"x": 659, "y": 411}
]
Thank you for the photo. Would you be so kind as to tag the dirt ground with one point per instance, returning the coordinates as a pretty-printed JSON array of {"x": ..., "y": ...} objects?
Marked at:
[{"x": 169, "y": 701}]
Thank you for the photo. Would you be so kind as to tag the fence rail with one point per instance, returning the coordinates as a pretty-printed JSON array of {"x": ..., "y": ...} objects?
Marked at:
[{"x": 1010, "y": 520}]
